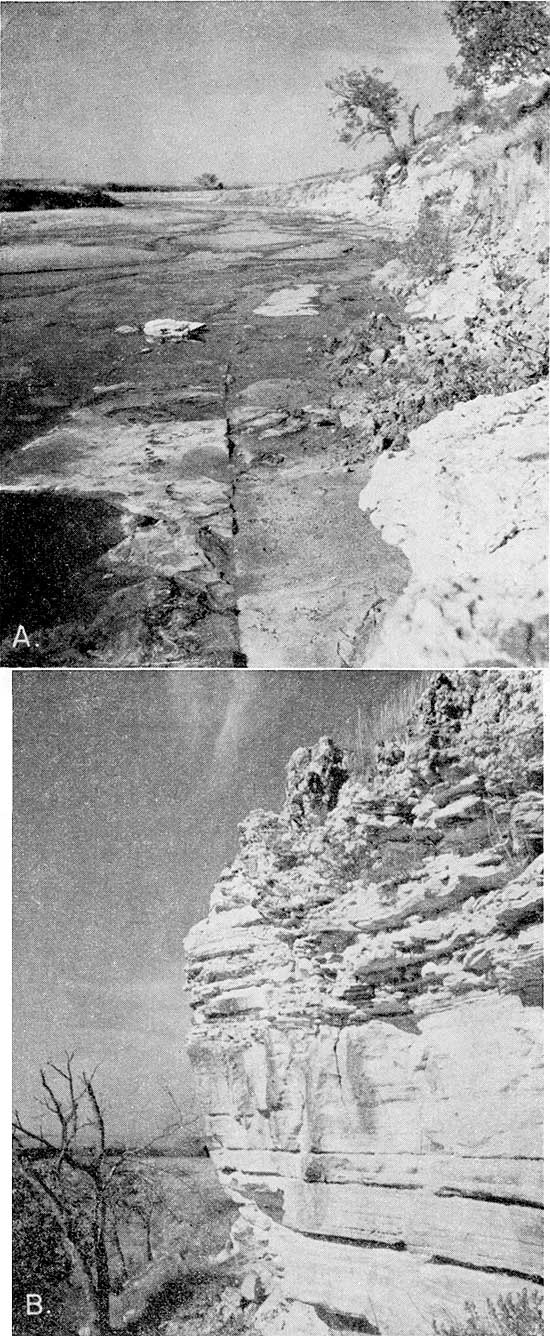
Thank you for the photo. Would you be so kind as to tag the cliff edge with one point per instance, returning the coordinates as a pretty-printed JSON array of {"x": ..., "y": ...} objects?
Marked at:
[
  {"x": 367, "y": 1033},
  {"x": 453, "y": 396}
]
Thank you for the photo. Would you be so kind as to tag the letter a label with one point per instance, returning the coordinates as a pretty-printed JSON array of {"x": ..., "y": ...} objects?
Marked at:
[{"x": 22, "y": 639}]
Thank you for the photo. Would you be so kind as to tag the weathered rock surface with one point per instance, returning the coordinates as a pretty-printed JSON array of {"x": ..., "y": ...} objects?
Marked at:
[
  {"x": 367, "y": 1037},
  {"x": 310, "y": 568},
  {"x": 467, "y": 504},
  {"x": 290, "y": 301},
  {"x": 469, "y": 222},
  {"x": 163, "y": 592}
]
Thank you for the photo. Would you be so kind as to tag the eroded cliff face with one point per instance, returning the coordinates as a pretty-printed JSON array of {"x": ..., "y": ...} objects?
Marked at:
[
  {"x": 367, "y": 1037},
  {"x": 455, "y": 395}
]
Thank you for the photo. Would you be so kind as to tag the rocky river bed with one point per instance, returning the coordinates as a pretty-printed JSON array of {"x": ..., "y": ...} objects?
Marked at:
[
  {"x": 185, "y": 502},
  {"x": 343, "y": 465}
]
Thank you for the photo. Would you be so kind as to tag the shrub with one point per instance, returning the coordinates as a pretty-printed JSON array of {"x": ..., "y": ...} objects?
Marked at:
[
  {"x": 498, "y": 41},
  {"x": 512, "y": 1315},
  {"x": 388, "y": 725},
  {"x": 40, "y": 1263},
  {"x": 428, "y": 249},
  {"x": 381, "y": 182},
  {"x": 473, "y": 111}
]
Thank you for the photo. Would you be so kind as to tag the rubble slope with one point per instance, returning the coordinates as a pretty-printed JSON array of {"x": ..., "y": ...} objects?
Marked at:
[{"x": 466, "y": 220}]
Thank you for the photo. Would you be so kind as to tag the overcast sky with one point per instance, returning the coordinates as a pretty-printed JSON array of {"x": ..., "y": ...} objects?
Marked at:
[
  {"x": 163, "y": 90},
  {"x": 128, "y": 787}
]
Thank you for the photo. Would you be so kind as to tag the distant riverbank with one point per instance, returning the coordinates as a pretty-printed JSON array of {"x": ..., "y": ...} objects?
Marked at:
[{"x": 22, "y": 196}]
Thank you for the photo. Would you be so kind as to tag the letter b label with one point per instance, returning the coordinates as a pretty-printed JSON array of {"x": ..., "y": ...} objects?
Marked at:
[{"x": 34, "y": 1305}]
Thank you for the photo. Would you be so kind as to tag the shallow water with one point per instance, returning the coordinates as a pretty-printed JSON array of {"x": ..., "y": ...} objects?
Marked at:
[
  {"x": 51, "y": 546},
  {"x": 71, "y": 278}
]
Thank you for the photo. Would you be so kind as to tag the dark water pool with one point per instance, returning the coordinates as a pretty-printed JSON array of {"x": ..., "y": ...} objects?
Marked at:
[{"x": 50, "y": 544}]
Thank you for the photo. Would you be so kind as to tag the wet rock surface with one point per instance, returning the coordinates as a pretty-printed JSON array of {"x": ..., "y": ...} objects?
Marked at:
[
  {"x": 158, "y": 589},
  {"x": 232, "y": 556},
  {"x": 368, "y": 1024},
  {"x": 418, "y": 310}
]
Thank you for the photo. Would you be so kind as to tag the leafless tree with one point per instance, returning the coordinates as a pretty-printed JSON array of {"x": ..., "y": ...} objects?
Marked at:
[
  {"x": 82, "y": 1182},
  {"x": 142, "y": 1197}
]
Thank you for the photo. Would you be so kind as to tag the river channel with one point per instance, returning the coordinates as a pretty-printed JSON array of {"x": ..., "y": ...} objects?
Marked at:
[{"x": 186, "y": 503}]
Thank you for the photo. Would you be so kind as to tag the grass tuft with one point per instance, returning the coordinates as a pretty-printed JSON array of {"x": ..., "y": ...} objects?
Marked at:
[
  {"x": 512, "y": 1315},
  {"x": 387, "y": 724}
]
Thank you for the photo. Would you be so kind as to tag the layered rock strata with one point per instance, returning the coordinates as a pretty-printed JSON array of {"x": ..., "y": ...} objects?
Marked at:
[
  {"x": 468, "y": 219},
  {"x": 367, "y": 1036}
]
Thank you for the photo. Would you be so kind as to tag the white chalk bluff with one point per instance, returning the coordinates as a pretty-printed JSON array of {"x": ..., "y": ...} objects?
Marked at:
[{"x": 368, "y": 1026}]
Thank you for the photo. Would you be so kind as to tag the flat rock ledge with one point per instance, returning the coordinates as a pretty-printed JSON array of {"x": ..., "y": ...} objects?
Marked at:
[{"x": 367, "y": 1039}]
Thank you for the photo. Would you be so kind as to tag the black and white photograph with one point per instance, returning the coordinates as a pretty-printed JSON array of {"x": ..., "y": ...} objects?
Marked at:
[
  {"x": 277, "y": 1003},
  {"x": 274, "y": 334},
  {"x": 273, "y": 659}
]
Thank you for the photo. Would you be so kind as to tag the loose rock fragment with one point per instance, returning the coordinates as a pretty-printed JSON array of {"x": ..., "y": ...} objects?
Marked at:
[{"x": 170, "y": 330}]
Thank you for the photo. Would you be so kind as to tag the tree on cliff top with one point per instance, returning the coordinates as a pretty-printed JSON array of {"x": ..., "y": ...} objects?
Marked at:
[
  {"x": 369, "y": 106},
  {"x": 498, "y": 41}
]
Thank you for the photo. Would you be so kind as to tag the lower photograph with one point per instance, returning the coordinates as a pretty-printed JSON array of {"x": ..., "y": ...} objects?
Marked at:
[{"x": 277, "y": 1003}]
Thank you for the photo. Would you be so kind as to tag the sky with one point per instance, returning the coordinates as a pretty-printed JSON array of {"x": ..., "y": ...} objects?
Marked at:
[
  {"x": 128, "y": 789},
  {"x": 162, "y": 90}
]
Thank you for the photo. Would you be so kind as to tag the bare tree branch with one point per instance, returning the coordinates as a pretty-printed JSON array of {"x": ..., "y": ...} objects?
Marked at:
[
  {"x": 95, "y": 1106},
  {"x": 87, "y": 1189},
  {"x": 41, "y": 1187}
]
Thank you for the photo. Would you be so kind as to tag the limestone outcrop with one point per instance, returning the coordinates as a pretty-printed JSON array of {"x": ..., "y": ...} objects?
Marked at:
[
  {"x": 367, "y": 1034},
  {"x": 457, "y": 389},
  {"x": 467, "y": 504}
]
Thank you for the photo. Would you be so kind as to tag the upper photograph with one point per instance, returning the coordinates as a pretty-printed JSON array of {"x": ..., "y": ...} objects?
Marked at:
[{"x": 274, "y": 334}]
